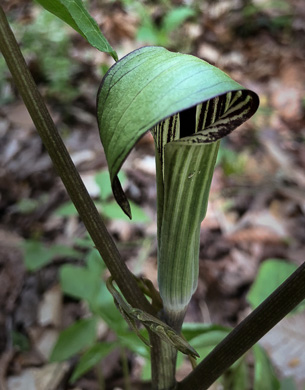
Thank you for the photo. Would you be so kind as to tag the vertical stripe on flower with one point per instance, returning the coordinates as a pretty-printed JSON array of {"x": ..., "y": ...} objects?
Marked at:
[{"x": 207, "y": 122}]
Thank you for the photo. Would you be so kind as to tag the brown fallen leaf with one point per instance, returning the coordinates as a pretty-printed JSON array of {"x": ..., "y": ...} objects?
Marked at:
[{"x": 255, "y": 234}]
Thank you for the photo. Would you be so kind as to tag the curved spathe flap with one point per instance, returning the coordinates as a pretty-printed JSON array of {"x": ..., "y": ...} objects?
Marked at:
[{"x": 144, "y": 88}]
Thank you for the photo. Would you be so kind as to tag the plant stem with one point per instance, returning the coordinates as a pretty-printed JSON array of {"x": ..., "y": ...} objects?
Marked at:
[
  {"x": 284, "y": 299},
  {"x": 98, "y": 369},
  {"x": 126, "y": 374},
  {"x": 74, "y": 185},
  {"x": 163, "y": 359},
  {"x": 66, "y": 169}
]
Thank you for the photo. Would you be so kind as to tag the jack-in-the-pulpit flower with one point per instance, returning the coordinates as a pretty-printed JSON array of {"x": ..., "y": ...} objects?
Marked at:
[{"x": 188, "y": 105}]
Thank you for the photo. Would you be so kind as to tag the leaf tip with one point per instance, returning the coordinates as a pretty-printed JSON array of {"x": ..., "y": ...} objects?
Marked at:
[{"x": 120, "y": 197}]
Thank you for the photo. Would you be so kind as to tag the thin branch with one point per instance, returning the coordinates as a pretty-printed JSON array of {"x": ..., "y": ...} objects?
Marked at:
[
  {"x": 66, "y": 169},
  {"x": 284, "y": 299}
]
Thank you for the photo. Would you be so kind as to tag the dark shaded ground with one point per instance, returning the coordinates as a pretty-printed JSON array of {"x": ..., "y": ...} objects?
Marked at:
[{"x": 257, "y": 207}]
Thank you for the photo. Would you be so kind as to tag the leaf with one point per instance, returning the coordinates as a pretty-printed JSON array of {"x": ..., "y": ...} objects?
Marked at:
[
  {"x": 37, "y": 255},
  {"x": 131, "y": 341},
  {"x": 111, "y": 210},
  {"x": 204, "y": 337},
  {"x": 288, "y": 384},
  {"x": 87, "y": 284},
  {"x": 107, "y": 310},
  {"x": 152, "y": 84},
  {"x": 75, "y": 14},
  {"x": 271, "y": 274},
  {"x": 264, "y": 377},
  {"x": 102, "y": 179},
  {"x": 94, "y": 262},
  {"x": 66, "y": 210},
  {"x": 74, "y": 339},
  {"x": 80, "y": 282},
  {"x": 240, "y": 376},
  {"x": 176, "y": 17},
  {"x": 191, "y": 330},
  {"x": 206, "y": 342},
  {"x": 90, "y": 358}
]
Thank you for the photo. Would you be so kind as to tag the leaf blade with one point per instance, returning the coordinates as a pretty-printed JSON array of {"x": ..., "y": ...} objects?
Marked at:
[
  {"x": 74, "y": 339},
  {"x": 76, "y": 16},
  {"x": 91, "y": 358}
]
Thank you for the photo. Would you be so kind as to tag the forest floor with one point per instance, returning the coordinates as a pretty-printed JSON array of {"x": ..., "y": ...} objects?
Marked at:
[{"x": 257, "y": 202}]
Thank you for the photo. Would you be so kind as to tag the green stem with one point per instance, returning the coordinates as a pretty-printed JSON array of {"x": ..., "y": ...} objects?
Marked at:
[
  {"x": 100, "y": 376},
  {"x": 163, "y": 359},
  {"x": 125, "y": 368},
  {"x": 284, "y": 299},
  {"x": 66, "y": 169},
  {"x": 74, "y": 185}
]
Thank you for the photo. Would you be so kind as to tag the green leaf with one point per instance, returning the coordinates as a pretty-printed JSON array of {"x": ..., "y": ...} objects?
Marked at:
[
  {"x": 176, "y": 17},
  {"x": 239, "y": 376},
  {"x": 74, "y": 339},
  {"x": 80, "y": 282},
  {"x": 288, "y": 384},
  {"x": 152, "y": 84},
  {"x": 206, "y": 342},
  {"x": 75, "y": 14},
  {"x": 191, "y": 330},
  {"x": 94, "y": 262},
  {"x": 66, "y": 210},
  {"x": 20, "y": 341},
  {"x": 90, "y": 358},
  {"x": 87, "y": 284},
  {"x": 37, "y": 255},
  {"x": 102, "y": 179},
  {"x": 271, "y": 274},
  {"x": 111, "y": 210},
  {"x": 107, "y": 310},
  {"x": 204, "y": 337},
  {"x": 131, "y": 340},
  {"x": 264, "y": 377}
]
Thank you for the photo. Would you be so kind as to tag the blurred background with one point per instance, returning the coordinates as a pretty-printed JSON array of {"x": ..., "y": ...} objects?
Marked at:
[{"x": 252, "y": 238}]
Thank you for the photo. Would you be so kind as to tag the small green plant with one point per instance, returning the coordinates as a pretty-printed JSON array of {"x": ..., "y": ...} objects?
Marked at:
[
  {"x": 273, "y": 15},
  {"x": 232, "y": 163},
  {"x": 149, "y": 32},
  {"x": 55, "y": 66},
  {"x": 188, "y": 105},
  {"x": 38, "y": 254},
  {"x": 271, "y": 274}
]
